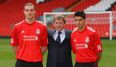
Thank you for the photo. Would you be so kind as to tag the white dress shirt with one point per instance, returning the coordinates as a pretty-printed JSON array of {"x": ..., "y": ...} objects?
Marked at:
[{"x": 62, "y": 35}]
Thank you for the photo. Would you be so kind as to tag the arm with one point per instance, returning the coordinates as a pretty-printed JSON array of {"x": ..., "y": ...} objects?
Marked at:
[
  {"x": 99, "y": 56},
  {"x": 72, "y": 43},
  {"x": 73, "y": 40},
  {"x": 43, "y": 49},
  {"x": 14, "y": 40},
  {"x": 44, "y": 40},
  {"x": 98, "y": 46},
  {"x": 15, "y": 49}
]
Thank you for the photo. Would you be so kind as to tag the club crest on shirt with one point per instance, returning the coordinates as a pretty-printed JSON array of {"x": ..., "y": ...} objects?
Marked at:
[
  {"x": 22, "y": 31},
  {"x": 37, "y": 31},
  {"x": 87, "y": 39}
]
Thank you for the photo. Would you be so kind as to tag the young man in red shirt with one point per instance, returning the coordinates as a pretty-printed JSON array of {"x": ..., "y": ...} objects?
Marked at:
[
  {"x": 29, "y": 39},
  {"x": 85, "y": 43}
]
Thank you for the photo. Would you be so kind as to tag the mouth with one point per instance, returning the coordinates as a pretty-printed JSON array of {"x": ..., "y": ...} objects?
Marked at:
[{"x": 29, "y": 15}]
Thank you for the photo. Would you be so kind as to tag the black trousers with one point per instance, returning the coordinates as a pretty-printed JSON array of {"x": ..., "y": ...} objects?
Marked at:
[
  {"x": 89, "y": 64},
  {"x": 21, "y": 63}
]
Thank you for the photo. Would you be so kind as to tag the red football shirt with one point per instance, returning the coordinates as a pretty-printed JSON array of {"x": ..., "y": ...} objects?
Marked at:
[
  {"x": 85, "y": 44},
  {"x": 29, "y": 38}
]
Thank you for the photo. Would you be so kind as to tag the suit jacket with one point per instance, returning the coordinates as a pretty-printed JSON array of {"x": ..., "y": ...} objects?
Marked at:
[{"x": 59, "y": 55}]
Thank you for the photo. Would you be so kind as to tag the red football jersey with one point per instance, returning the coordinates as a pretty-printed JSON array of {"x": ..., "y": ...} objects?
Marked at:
[
  {"x": 86, "y": 44},
  {"x": 29, "y": 38}
]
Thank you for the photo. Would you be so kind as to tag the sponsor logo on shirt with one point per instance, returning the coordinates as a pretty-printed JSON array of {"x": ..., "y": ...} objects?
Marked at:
[
  {"x": 30, "y": 38},
  {"x": 81, "y": 46}
]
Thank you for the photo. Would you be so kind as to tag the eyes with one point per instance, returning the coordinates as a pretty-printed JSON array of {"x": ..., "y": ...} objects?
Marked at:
[
  {"x": 27, "y": 10},
  {"x": 78, "y": 20},
  {"x": 59, "y": 22}
]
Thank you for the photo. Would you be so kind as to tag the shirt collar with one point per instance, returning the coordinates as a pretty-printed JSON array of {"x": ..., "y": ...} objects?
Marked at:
[{"x": 63, "y": 31}]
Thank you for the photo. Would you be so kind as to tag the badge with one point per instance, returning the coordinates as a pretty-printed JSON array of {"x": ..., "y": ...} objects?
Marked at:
[{"x": 87, "y": 39}]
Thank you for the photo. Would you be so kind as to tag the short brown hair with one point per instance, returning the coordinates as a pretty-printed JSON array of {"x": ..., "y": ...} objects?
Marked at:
[
  {"x": 81, "y": 14},
  {"x": 58, "y": 17},
  {"x": 29, "y": 4}
]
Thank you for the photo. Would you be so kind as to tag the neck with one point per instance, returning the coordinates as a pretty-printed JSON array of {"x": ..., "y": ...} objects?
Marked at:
[
  {"x": 59, "y": 29},
  {"x": 30, "y": 21},
  {"x": 81, "y": 29}
]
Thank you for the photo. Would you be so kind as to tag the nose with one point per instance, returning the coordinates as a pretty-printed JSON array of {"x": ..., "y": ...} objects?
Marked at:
[
  {"x": 29, "y": 11},
  {"x": 77, "y": 22}
]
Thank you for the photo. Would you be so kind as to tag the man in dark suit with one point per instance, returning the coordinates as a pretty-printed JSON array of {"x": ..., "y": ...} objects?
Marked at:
[{"x": 59, "y": 48}]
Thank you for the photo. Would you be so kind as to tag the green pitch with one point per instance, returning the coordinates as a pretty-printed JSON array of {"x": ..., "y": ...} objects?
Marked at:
[{"x": 7, "y": 57}]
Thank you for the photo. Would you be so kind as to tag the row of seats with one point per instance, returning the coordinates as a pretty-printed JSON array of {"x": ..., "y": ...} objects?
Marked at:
[
  {"x": 14, "y": 14},
  {"x": 7, "y": 24},
  {"x": 49, "y": 6},
  {"x": 83, "y": 4},
  {"x": 101, "y": 6},
  {"x": 11, "y": 13}
]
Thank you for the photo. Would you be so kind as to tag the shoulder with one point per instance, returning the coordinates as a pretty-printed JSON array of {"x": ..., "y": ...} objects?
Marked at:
[
  {"x": 50, "y": 31},
  {"x": 17, "y": 26},
  {"x": 74, "y": 30},
  {"x": 40, "y": 23},
  {"x": 68, "y": 31},
  {"x": 90, "y": 29},
  {"x": 20, "y": 23}
]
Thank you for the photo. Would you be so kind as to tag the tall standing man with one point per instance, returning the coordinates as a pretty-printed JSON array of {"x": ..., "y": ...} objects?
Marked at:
[
  {"x": 29, "y": 39},
  {"x": 59, "y": 47},
  {"x": 85, "y": 42}
]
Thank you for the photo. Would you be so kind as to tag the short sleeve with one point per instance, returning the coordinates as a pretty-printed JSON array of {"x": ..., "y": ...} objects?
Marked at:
[
  {"x": 44, "y": 39},
  {"x": 97, "y": 42},
  {"x": 73, "y": 43},
  {"x": 14, "y": 37}
]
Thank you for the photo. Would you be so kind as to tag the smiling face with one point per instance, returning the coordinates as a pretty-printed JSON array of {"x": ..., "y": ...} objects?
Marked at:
[
  {"x": 29, "y": 11},
  {"x": 59, "y": 24}
]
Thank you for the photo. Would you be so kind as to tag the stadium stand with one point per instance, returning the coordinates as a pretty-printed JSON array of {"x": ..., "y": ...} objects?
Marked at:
[
  {"x": 83, "y": 4},
  {"x": 101, "y": 6},
  {"x": 11, "y": 12},
  {"x": 2, "y": 1},
  {"x": 53, "y": 4}
]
